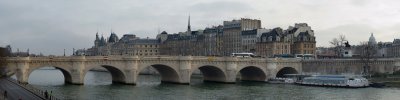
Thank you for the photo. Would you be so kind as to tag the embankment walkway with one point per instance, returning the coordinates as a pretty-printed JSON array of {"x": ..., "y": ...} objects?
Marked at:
[{"x": 17, "y": 91}]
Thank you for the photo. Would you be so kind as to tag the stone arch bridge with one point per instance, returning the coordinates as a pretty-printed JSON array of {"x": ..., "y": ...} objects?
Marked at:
[{"x": 174, "y": 69}]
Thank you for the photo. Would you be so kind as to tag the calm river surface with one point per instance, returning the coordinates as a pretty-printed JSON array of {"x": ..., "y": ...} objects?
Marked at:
[{"x": 98, "y": 87}]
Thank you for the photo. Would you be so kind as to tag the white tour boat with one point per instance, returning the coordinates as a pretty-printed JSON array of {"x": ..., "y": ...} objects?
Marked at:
[{"x": 335, "y": 81}]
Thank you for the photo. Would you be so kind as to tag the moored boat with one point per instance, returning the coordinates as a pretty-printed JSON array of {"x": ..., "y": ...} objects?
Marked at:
[
  {"x": 335, "y": 81},
  {"x": 282, "y": 80}
]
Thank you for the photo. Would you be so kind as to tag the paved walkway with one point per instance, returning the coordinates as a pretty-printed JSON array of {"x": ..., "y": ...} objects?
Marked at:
[{"x": 16, "y": 92}]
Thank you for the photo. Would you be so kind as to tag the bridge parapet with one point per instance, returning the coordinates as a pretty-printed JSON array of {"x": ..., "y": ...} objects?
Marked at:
[
  {"x": 185, "y": 58},
  {"x": 283, "y": 60},
  {"x": 350, "y": 66},
  {"x": 78, "y": 58},
  {"x": 18, "y": 59},
  {"x": 129, "y": 58},
  {"x": 159, "y": 58}
]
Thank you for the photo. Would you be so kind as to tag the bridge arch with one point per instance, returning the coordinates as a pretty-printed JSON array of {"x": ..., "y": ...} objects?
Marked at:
[
  {"x": 168, "y": 73},
  {"x": 211, "y": 73},
  {"x": 286, "y": 70},
  {"x": 64, "y": 70},
  {"x": 252, "y": 73},
  {"x": 117, "y": 75}
]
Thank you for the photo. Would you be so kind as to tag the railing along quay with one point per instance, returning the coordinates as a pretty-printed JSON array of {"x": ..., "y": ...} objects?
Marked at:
[
  {"x": 35, "y": 91},
  {"x": 2, "y": 97}
]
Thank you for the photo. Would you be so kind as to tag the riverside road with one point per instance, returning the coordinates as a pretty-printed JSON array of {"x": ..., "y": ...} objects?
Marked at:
[{"x": 16, "y": 92}]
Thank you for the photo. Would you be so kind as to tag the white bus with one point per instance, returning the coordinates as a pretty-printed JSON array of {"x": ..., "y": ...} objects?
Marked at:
[
  {"x": 243, "y": 55},
  {"x": 304, "y": 56}
]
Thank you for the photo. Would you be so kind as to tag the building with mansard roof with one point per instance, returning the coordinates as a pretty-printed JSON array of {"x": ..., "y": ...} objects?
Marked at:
[
  {"x": 393, "y": 49},
  {"x": 295, "y": 40},
  {"x": 129, "y": 44},
  {"x": 273, "y": 43},
  {"x": 249, "y": 39},
  {"x": 195, "y": 43},
  {"x": 236, "y": 36}
]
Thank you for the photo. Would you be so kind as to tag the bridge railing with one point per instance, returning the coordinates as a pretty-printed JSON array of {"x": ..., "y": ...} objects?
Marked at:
[{"x": 40, "y": 93}]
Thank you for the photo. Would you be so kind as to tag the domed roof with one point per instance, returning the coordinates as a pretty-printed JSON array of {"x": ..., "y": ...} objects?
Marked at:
[
  {"x": 372, "y": 39},
  {"x": 113, "y": 38},
  {"x": 164, "y": 32}
]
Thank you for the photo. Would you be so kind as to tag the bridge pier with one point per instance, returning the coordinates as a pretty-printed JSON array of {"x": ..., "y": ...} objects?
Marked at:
[
  {"x": 77, "y": 72},
  {"x": 22, "y": 69},
  {"x": 185, "y": 76},
  {"x": 22, "y": 75},
  {"x": 131, "y": 76},
  {"x": 131, "y": 69},
  {"x": 231, "y": 68},
  {"x": 77, "y": 79},
  {"x": 185, "y": 65},
  {"x": 231, "y": 76}
]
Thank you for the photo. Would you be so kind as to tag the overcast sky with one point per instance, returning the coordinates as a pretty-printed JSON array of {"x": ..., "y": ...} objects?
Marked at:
[{"x": 49, "y": 26}]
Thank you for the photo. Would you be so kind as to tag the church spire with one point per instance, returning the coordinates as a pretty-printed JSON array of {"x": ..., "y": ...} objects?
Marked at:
[
  {"x": 97, "y": 41},
  {"x": 189, "y": 30},
  {"x": 97, "y": 36}
]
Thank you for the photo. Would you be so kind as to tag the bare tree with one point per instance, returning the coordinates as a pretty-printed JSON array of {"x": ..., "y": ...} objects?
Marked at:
[
  {"x": 3, "y": 54},
  {"x": 338, "y": 44},
  {"x": 367, "y": 55}
]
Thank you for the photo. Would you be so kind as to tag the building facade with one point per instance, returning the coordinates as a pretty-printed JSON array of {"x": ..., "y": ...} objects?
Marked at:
[
  {"x": 249, "y": 39},
  {"x": 205, "y": 42},
  {"x": 394, "y": 49},
  {"x": 296, "y": 40},
  {"x": 129, "y": 44},
  {"x": 183, "y": 44},
  {"x": 232, "y": 34},
  {"x": 245, "y": 35},
  {"x": 236, "y": 36},
  {"x": 273, "y": 43},
  {"x": 213, "y": 40},
  {"x": 302, "y": 39}
]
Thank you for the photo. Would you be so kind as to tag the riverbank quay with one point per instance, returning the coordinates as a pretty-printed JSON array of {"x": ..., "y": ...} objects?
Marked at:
[
  {"x": 389, "y": 80},
  {"x": 18, "y": 91}
]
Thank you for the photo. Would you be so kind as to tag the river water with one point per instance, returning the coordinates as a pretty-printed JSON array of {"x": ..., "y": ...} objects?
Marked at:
[{"x": 98, "y": 87}]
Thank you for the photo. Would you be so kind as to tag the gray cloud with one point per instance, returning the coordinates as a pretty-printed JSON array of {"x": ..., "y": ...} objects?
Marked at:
[
  {"x": 359, "y": 2},
  {"x": 221, "y": 7},
  {"x": 355, "y": 33},
  {"x": 49, "y": 26}
]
